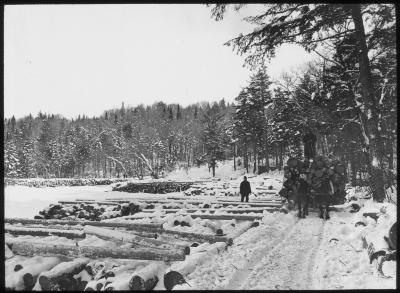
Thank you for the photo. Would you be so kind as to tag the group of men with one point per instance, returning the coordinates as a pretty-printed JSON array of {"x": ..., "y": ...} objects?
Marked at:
[{"x": 303, "y": 186}]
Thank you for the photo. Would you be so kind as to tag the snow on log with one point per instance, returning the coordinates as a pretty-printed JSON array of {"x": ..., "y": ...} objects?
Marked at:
[
  {"x": 207, "y": 216},
  {"x": 235, "y": 210},
  {"x": 26, "y": 271},
  {"x": 34, "y": 248},
  {"x": 131, "y": 238},
  {"x": 39, "y": 265},
  {"x": 200, "y": 237},
  {"x": 215, "y": 228},
  {"x": 122, "y": 275},
  {"x": 188, "y": 266},
  {"x": 133, "y": 226},
  {"x": 227, "y": 217},
  {"x": 87, "y": 202},
  {"x": 7, "y": 251},
  {"x": 145, "y": 278},
  {"x": 61, "y": 273},
  {"x": 44, "y": 232},
  {"x": 244, "y": 229}
]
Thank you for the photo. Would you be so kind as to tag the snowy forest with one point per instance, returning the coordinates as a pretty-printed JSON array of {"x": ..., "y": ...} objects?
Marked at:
[{"x": 350, "y": 106}]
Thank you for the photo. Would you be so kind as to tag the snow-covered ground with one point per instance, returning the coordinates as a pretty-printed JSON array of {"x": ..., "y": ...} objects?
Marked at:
[{"x": 284, "y": 252}]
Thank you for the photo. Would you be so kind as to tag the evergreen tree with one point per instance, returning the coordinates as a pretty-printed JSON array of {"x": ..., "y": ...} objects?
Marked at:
[{"x": 11, "y": 161}]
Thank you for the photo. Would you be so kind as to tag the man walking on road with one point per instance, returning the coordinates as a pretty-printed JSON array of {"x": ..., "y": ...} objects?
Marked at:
[{"x": 245, "y": 189}]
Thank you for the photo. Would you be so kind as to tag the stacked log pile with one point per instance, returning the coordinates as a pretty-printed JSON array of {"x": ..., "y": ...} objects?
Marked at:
[
  {"x": 74, "y": 267},
  {"x": 88, "y": 211},
  {"x": 314, "y": 173},
  {"x": 54, "y": 182},
  {"x": 160, "y": 187}
]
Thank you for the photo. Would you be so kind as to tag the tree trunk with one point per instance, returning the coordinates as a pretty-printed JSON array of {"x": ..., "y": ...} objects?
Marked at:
[
  {"x": 255, "y": 157},
  {"x": 353, "y": 167},
  {"x": 246, "y": 159},
  {"x": 234, "y": 156},
  {"x": 281, "y": 156},
  {"x": 372, "y": 138}
]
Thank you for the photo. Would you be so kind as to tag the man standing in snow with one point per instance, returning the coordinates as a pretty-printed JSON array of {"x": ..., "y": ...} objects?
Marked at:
[{"x": 245, "y": 189}]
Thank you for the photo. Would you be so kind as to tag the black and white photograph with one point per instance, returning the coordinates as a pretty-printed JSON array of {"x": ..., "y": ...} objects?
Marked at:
[{"x": 183, "y": 146}]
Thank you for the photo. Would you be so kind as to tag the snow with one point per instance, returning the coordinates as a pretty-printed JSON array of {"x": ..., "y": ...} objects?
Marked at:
[{"x": 283, "y": 252}]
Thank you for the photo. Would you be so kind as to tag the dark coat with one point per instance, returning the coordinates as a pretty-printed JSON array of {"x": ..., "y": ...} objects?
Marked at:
[{"x": 245, "y": 188}]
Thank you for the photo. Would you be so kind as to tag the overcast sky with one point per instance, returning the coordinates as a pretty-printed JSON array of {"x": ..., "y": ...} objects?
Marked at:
[{"x": 84, "y": 59}]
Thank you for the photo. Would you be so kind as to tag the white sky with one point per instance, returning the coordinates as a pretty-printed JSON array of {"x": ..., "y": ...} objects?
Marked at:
[{"x": 84, "y": 59}]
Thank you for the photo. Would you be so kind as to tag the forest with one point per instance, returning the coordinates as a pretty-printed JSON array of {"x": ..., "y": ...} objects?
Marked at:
[{"x": 347, "y": 98}]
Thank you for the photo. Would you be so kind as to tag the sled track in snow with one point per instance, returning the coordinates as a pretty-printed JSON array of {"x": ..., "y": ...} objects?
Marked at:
[{"x": 285, "y": 264}]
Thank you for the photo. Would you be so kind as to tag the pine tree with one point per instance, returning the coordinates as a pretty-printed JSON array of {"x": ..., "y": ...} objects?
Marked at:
[{"x": 11, "y": 160}]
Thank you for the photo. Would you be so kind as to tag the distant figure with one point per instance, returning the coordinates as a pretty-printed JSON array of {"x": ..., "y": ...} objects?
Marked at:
[
  {"x": 245, "y": 189},
  {"x": 309, "y": 141}
]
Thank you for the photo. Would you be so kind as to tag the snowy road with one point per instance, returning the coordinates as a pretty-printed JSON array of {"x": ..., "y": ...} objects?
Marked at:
[
  {"x": 279, "y": 254},
  {"x": 288, "y": 263}
]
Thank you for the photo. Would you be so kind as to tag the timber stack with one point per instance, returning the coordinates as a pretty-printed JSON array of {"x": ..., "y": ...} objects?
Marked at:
[
  {"x": 160, "y": 187},
  {"x": 88, "y": 211}
]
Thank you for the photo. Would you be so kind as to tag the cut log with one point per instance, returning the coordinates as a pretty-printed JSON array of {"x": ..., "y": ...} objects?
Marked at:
[
  {"x": 44, "y": 232},
  {"x": 234, "y": 210},
  {"x": 227, "y": 217},
  {"x": 224, "y": 202},
  {"x": 34, "y": 248},
  {"x": 21, "y": 272},
  {"x": 213, "y": 227},
  {"x": 193, "y": 261},
  {"x": 206, "y": 216},
  {"x": 133, "y": 226},
  {"x": 200, "y": 237},
  {"x": 173, "y": 278},
  {"x": 88, "y": 202},
  {"x": 145, "y": 278},
  {"x": 244, "y": 229},
  {"x": 123, "y": 275},
  {"x": 64, "y": 271},
  {"x": 41, "y": 264},
  {"x": 131, "y": 238}
]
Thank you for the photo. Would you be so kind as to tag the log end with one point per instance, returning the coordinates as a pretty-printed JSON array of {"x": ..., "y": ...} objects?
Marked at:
[
  {"x": 173, "y": 278},
  {"x": 29, "y": 281},
  {"x": 44, "y": 283},
  {"x": 220, "y": 232},
  {"x": 186, "y": 250},
  {"x": 255, "y": 224}
]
